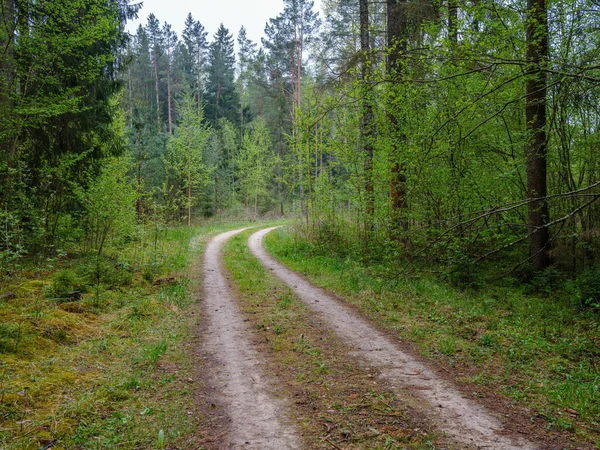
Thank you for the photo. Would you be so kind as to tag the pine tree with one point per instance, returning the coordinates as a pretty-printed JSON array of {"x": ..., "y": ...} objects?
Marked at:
[
  {"x": 246, "y": 55},
  {"x": 195, "y": 44},
  {"x": 156, "y": 39},
  {"x": 170, "y": 42},
  {"x": 222, "y": 98}
]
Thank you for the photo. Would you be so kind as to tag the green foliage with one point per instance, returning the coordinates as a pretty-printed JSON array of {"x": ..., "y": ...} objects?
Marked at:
[
  {"x": 185, "y": 167},
  {"x": 109, "y": 205},
  {"x": 66, "y": 281},
  {"x": 255, "y": 164},
  {"x": 154, "y": 353},
  {"x": 11, "y": 248},
  {"x": 223, "y": 100},
  {"x": 587, "y": 287}
]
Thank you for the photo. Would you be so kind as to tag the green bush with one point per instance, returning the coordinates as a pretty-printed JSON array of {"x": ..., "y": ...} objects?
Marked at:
[
  {"x": 66, "y": 281},
  {"x": 587, "y": 288},
  {"x": 461, "y": 271},
  {"x": 546, "y": 282},
  {"x": 10, "y": 337},
  {"x": 107, "y": 272}
]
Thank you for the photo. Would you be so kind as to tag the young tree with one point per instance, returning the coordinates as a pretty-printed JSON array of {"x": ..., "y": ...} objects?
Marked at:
[
  {"x": 255, "y": 163},
  {"x": 186, "y": 170}
]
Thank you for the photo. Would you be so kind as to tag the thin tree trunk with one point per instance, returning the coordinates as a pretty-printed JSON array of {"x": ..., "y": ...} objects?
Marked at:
[
  {"x": 156, "y": 85},
  {"x": 7, "y": 76},
  {"x": 367, "y": 122},
  {"x": 453, "y": 22},
  {"x": 216, "y": 191},
  {"x": 396, "y": 40},
  {"x": 139, "y": 175},
  {"x": 535, "y": 117},
  {"x": 169, "y": 93},
  {"x": 189, "y": 201},
  {"x": 199, "y": 80}
]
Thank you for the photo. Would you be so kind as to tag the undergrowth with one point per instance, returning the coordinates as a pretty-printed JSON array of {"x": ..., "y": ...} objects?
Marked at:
[{"x": 541, "y": 351}]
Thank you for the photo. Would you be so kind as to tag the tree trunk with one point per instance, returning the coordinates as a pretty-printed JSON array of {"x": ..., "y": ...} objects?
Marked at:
[
  {"x": 453, "y": 22},
  {"x": 139, "y": 174},
  {"x": 189, "y": 203},
  {"x": 367, "y": 122},
  {"x": 199, "y": 80},
  {"x": 7, "y": 77},
  {"x": 156, "y": 85},
  {"x": 535, "y": 117},
  {"x": 396, "y": 40},
  {"x": 169, "y": 93}
]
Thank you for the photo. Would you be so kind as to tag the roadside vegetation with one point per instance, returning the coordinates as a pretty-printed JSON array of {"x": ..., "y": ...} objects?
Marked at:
[
  {"x": 535, "y": 348},
  {"x": 98, "y": 353}
]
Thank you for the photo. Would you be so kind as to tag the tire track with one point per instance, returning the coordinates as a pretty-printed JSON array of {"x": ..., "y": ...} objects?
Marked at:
[
  {"x": 256, "y": 417},
  {"x": 463, "y": 420}
]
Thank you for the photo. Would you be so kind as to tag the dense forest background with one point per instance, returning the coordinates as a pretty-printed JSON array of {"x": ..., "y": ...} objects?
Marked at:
[{"x": 461, "y": 135}]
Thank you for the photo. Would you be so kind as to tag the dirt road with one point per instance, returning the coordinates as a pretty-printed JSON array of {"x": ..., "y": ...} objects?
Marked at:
[
  {"x": 462, "y": 420},
  {"x": 257, "y": 419}
]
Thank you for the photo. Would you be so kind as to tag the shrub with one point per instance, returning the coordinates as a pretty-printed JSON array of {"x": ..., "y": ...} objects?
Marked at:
[
  {"x": 587, "y": 287},
  {"x": 66, "y": 281}
]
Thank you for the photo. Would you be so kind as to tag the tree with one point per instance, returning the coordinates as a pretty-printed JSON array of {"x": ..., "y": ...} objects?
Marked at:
[
  {"x": 194, "y": 38},
  {"x": 184, "y": 163},
  {"x": 288, "y": 36},
  {"x": 170, "y": 39},
  {"x": 255, "y": 163},
  {"x": 397, "y": 34},
  {"x": 535, "y": 121},
  {"x": 246, "y": 55},
  {"x": 59, "y": 66},
  {"x": 155, "y": 35},
  {"x": 222, "y": 98},
  {"x": 368, "y": 119},
  {"x": 109, "y": 205}
]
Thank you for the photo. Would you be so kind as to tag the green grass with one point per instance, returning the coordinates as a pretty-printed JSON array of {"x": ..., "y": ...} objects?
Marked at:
[
  {"x": 110, "y": 369},
  {"x": 535, "y": 350}
]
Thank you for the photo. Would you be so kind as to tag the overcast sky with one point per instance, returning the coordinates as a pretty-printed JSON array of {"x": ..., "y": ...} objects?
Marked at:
[{"x": 253, "y": 14}]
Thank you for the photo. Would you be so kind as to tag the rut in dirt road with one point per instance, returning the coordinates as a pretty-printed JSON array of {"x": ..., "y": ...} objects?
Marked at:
[
  {"x": 464, "y": 421},
  {"x": 255, "y": 415}
]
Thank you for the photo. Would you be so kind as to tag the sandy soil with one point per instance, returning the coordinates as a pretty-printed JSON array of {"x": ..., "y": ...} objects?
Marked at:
[
  {"x": 257, "y": 419},
  {"x": 463, "y": 420}
]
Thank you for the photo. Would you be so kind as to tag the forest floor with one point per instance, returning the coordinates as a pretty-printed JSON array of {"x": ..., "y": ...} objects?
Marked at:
[{"x": 293, "y": 366}]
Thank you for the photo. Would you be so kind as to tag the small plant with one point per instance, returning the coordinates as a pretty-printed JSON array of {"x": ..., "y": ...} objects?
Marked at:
[
  {"x": 460, "y": 270},
  {"x": 10, "y": 337},
  {"x": 287, "y": 298},
  {"x": 546, "y": 281},
  {"x": 155, "y": 352},
  {"x": 67, "y": 282},
  {"x": 587, "y": 288},
  {"x": 161, "y": 439},
  {"x": 151, "y": 272}
]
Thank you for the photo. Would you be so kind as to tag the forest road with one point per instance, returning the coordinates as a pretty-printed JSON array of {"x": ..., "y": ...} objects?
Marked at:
[
  {"x": 255, "y": 415},
  {"x": 461, "y": 420}
]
